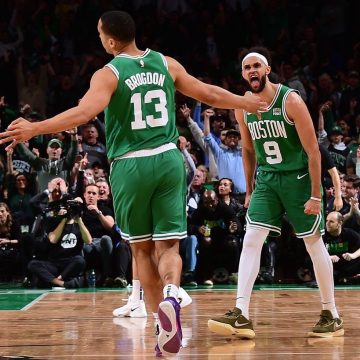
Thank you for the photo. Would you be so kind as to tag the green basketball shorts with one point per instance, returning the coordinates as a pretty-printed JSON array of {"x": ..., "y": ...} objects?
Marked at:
[
  {"x": 277, "y": 193},
  {"x": 149, "y": 196}
]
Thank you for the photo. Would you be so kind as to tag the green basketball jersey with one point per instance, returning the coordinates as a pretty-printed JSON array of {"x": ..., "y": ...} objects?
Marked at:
[
  {"x": 141, "y": 113},
  {"x": 276, "y": 141}
]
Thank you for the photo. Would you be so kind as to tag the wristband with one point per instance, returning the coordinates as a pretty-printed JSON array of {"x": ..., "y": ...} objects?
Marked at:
[{"x": 315, "y": 199}]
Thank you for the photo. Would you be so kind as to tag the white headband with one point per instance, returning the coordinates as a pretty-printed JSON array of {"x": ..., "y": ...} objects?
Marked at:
[{"x": 261, "y": 57}]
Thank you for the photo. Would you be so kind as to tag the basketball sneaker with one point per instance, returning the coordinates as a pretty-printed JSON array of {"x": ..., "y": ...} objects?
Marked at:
[
  {"x": 183, "y": 298},
  {"x": 133, "y": 308},
  {"x": 232, "y": 323},
  {"x": 170, "y": 336},
  {"x": 327, "y": 326}
]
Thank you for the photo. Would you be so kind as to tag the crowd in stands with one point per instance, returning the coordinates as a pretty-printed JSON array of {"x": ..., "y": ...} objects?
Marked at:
[{"x": 56, "y": 212}]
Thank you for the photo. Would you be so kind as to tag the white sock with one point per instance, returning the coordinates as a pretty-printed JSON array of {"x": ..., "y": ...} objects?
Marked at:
[
  {"x": 171, "y": 290},
  {"x": 323, "y": 269},
  {"x": 249, "y": 267},
  {"x": 155, "y": 316},
  {"x": 136, "y": 290}
]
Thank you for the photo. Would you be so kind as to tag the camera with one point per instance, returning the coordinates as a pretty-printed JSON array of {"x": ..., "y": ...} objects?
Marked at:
[{"x": 73, "y": 208}]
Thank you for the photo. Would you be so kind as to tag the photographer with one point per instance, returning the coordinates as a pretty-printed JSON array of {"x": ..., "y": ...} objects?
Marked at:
[
  {"x": 65, "y": 262},
  {"x": 47, "y": 205}
]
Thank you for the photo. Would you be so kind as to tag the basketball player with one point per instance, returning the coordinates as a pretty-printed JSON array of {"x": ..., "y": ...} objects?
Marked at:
[
  {"x": 147, "y": 177},
  {"x": 284, "y": 145}
]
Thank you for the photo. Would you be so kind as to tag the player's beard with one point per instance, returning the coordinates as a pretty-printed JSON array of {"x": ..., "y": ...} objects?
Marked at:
[{"x": 262, "y": 83}]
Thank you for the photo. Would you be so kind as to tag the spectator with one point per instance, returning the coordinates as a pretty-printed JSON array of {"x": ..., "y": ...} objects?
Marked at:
[
  {"x": 54, "y": 165},
  {"x": 343, "y": 245},
  {"x": 353, "y": 162},
  {"x": 10, "y": 234},
  {"x": 20, "y": 189},
  {"x": 338, "y": 150},
  {"x": 96, "y": 151},
  {"x": 350, "y": 93},
  {"x": 228, "y": 159},
  {"x": 100, "y": 225},
  {"x": 105, "y": 198},
  {"x": 198, "y": 135},
  {"x": 291, "y": 80},
  {"x": 47, "y": 205},
  {"x": 189, "y": 245},
  {"x": 217, "y": 250},
  {"x": 65, "y": 264}
]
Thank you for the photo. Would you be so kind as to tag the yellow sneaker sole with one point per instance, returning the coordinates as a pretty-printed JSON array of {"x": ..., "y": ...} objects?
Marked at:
[
  {"x": 339, "y": 332},
  {"x": 228, "y": 330}
]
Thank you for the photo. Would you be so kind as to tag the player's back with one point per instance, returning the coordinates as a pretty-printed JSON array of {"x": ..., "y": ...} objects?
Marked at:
[{"x": 141, "y": 113}]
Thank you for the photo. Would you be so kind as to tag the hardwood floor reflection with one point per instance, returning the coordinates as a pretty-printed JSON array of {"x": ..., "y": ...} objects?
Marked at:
[{"x": 71, "y": 325}]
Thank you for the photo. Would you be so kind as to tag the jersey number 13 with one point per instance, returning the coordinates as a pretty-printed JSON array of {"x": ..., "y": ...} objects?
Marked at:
[{"x": 156, "y": 97}]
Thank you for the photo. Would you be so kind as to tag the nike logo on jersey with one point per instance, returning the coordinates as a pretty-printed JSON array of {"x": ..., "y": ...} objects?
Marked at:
[
  {"x": 237, "y": 324},
  {"x": 301, "y": 176}
]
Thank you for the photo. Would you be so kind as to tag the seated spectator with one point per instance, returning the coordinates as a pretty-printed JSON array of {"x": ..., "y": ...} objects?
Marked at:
[
  {"x": 47, "y": 205},
  {"x": 350, "y": 198},
  {"x": 105, "y": 198},
  {"x": 189, "y": 245},
  {"x": 10, "y": 234},
  {"x": 343, "y": 245},
  {"x": 65, "y": 264},
  {"x": 100, "y": 225},
  {"x": 225, "y": 191},
  {"x": 99, "y": 170},
  {"x": 214, "y": 223}
]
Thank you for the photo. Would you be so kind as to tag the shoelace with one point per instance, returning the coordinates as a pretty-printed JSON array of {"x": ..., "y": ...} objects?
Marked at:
[
  {"x": 323, "y": 320},
  {"x": 230, "y": 313}
]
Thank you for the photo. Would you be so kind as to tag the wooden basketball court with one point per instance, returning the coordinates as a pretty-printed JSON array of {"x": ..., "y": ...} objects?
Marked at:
[{"x": 79, "y": 325}]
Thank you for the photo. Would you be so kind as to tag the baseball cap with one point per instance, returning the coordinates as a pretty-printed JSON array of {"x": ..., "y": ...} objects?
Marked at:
[
  {"x": 218, "y": 117},
  {"x": 336, "y": 130},
  {"x": 55, "y": 141}
]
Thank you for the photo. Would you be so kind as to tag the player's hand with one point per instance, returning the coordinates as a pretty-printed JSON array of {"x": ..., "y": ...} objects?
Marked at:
[
  {"x": 334, "y": 258},
  {"x": 312, "y": 207},
  {"x": 18, "y": 131},
  {"x": 247, "y": 200},
  {"x": 254, "y": 104}
]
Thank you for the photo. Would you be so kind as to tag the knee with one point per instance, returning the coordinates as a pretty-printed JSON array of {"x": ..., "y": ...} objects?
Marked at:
[
  {"x": 106, "y": 243},
  {"x": 163, "y": 246},
  {"x": 32, "y": 265}
]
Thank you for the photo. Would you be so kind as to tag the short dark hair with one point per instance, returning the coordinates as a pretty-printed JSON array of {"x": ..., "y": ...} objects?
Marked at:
[{"x": 118, "y": 24}]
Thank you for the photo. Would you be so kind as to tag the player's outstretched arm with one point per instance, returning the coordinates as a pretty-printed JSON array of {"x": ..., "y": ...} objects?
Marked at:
[
  {"x": 211, "y": 94},
  {"x": 102, "y": 86}
]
